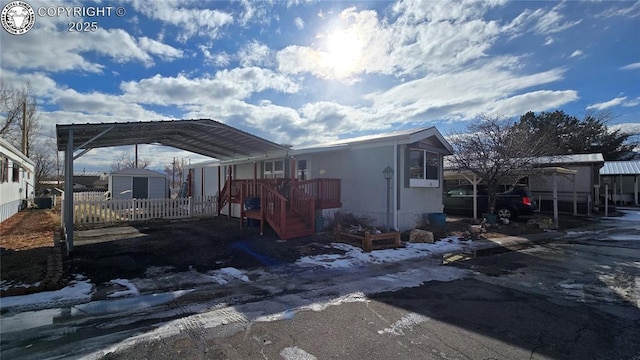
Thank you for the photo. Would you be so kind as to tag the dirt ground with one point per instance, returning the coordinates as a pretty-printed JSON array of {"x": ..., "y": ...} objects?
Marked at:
[
  {"x": 130, "y": 250},
  {"x": 201, "y": 245},
  {"x": 26, "y": 248}
]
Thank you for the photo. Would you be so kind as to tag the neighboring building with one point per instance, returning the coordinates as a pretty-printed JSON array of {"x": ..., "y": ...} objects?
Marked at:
[
  {"x": 138, "y": 184},
  {"x": 92, "y": 181},
  {"x": 16, "y": 180},
  {"x": 585, "y": 182},
  {"x": 354, "y": 169},
  {"x": 623, "y": 179}
]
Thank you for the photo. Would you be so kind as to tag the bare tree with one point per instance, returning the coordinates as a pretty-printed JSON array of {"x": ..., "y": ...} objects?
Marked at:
[
  {"x": 20, "y": 126},
  {"x": 496, "y": 152},
  {"x": 125, "y": 161},
  {"x": 176, "y": 175},
  {"x": 19, "y": 115}
]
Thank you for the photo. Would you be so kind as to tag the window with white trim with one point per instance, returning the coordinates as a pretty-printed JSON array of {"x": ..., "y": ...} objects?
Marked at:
[
  {"x": 424, "y": 168},
  {"x": 274, "y": 169}
]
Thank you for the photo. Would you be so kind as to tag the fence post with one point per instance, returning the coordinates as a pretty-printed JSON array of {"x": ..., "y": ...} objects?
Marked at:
[
  {"x": 368, "y": 243},
  {"x": 189, "y": 210},
  {"x": 134, "y": 211}
]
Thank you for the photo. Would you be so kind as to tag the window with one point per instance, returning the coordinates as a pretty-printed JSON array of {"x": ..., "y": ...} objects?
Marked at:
[
  {"x": 15, "y": 176},
  {"x": 302, "y": 169},
  {"x": 274, "y": 169},
  {"x": 424, "y": 168}
]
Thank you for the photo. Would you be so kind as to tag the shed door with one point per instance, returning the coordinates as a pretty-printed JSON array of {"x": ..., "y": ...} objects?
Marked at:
[{"x": 140, "y": 187}]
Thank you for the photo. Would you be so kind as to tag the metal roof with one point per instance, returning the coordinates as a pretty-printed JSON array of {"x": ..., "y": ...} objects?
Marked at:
[
  {"x": 402, "y": 137},
  {"x": 571, "y": 159},
  {"x": 631, "y": 167},
  {"x": 201, "y": 136},
  {"x": 137, "y": 172}
]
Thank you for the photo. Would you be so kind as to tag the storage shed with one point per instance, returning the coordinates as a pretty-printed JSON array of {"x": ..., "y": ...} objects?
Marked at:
[{"x": 138, "y": 184}]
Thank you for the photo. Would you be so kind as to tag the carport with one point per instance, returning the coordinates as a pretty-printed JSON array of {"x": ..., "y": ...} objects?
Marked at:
[
  {"x": 202, "y": 136},
  {"x": 552, "y": 171}
]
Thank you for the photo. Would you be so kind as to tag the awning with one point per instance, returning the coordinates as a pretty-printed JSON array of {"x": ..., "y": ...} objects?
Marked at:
[{"x": 206, "y": 137}]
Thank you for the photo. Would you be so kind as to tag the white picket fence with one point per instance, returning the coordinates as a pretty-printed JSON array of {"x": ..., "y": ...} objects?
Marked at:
[
  {"x": 89, "y": 196},
  {"x": 127, "y": 210}
]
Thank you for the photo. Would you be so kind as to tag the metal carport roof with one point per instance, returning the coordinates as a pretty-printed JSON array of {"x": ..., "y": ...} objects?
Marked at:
[{"x": 202, "y": 136}]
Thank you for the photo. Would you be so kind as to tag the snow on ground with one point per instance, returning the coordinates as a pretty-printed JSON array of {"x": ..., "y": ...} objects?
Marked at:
[
  {"x": 630, "y": 215},
  {"x": 355, "y": 256},
  {"x": 131, "y": 288},
  {"x": 224, "y": 275},
  {"x": 78, "y": 291}
]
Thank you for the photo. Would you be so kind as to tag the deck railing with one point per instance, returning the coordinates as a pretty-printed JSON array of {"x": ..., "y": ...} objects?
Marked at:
[
  {"x": 304, "y": 205},
  {"x": 325, "y": 191},
  {"x": 274, "y": 207},
  {"x": 126, "y": 210}
]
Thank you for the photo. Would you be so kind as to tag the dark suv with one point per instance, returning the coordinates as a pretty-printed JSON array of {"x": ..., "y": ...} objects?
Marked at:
[{"x": 510, "y": 204}]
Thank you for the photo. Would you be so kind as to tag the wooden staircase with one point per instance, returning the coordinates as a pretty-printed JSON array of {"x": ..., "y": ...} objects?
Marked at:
[{"x": 289, "y": 208}]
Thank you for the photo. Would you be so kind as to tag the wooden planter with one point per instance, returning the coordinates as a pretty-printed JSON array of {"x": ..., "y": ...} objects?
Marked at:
[{"x": 369, "y": 242}]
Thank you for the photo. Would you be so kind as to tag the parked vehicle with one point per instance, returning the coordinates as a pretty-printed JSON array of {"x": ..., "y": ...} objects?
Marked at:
[{"x": 518, "y": 201}]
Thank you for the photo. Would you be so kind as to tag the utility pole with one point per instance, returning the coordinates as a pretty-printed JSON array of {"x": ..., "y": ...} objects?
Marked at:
[
  {"x": 25, "y": 135},
  {"x": 173, "y": 173}
]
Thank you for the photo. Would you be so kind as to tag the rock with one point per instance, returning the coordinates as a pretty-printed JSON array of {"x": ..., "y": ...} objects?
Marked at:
[
  {"x": 475, "y": 231},
  {"x": 421, "y": 236},
  {"x": 541, "y": 223}
]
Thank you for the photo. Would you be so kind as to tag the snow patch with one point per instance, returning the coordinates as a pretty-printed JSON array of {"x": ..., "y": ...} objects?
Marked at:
[
  {"x": 295, "y": 353},
  {"x": 78, "y": 291},
  {"x": 131, "y": 289},
  {"x": 224, "y": 275},
  {"x": 355, "y": 256}
]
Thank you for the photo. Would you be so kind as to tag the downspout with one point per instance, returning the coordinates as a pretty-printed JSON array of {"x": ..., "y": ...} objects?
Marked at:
[{"x": 395, "y": 184}]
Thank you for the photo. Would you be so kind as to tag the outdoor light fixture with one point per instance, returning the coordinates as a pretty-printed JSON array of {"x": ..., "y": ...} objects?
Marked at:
[{"x": 388, "y": 174}]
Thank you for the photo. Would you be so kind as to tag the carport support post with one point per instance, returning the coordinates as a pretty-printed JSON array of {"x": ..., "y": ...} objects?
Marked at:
[
  {"x": 555, "y": 200},
  {"x": 635, "y": 190},
  {"x": 68, "y": 192},
  {"x": 575, "y": 197}
]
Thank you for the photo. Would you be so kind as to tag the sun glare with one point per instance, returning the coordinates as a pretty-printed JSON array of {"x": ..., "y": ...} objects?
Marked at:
[{"x": 344, "y": 50}]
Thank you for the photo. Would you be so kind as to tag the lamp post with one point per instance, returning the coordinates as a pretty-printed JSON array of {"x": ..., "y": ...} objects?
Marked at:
[{"x": 388, "y": 174}]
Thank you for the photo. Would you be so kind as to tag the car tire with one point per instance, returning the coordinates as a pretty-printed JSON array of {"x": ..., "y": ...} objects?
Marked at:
[{"x": 506, "y": 212}]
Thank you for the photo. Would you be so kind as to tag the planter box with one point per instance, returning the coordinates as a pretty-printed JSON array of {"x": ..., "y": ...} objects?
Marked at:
[{"x": 368, "y": 241}]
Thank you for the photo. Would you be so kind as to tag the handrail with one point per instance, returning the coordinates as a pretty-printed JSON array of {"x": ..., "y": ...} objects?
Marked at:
[
  {"x": 304, "y": 205},
  {"x": 223, "y": 196},
  {"x": 274, "y": 207},
  {"x": 326, "y": 191}
]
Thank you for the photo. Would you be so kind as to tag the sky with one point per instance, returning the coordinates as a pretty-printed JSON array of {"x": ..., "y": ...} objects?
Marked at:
[{"x": 302, "y": 72}]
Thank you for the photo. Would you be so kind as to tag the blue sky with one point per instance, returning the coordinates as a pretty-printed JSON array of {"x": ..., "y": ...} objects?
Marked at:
[{"x": 302, "y": 72}]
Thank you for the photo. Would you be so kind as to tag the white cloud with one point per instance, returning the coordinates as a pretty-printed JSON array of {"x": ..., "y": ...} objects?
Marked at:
[
  {"x": 362, "y": 43},
  {"x": 576, "y": 53},
  {"x": 543, "y": 21},
  {"x": 463, "y": 94},
  {"x": 628, "y": 128},
  {"x": 631, "y": 11},
  {"x": 238, "y": 83},
  {"x": 607, "y": 104},
  {"x": 633, "y": 66},
  {"x": 536, "y": 101},
  {"x": 157, "y": 48},
  {"x": 299, "y": 23},
  {"x": 255, "y": 53},
  {"x": 189, "y": 21}
]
